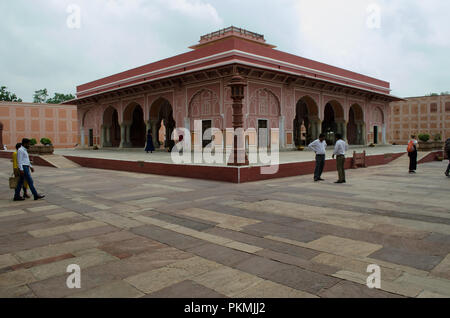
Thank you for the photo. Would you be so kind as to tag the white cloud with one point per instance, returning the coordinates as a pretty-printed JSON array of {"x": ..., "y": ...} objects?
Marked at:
[
  {"x": 195, "y": 8},
  {"x": 406, "y": 50}
]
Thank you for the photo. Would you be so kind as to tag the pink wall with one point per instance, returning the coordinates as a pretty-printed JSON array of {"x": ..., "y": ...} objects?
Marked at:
[
  {"x": 264, "y": 99},
  {"x": 28, "y": 120}
]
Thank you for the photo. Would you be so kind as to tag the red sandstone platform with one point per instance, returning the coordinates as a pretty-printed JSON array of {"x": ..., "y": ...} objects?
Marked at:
[{"x": 219, "y": 173}]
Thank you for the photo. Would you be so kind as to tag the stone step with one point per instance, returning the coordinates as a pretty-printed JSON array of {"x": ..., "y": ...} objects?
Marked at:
[{"x": 60, "y": 162}]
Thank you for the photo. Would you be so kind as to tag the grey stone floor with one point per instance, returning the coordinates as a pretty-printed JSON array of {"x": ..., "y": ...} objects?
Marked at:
[{"x": 150, "y": 236}]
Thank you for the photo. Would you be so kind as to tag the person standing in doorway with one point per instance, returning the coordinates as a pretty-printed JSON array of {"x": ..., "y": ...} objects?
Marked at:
[
  {"x": 319, "y": 146},
  {"x": 412, "y": 153},
  {"x": 25, "y": 169},
  {"x": 149, "y": 147},
  {"x": 17, "y": 173},
  {"x": 447, "y": 150},
  {"x": 339, "y": 151}
]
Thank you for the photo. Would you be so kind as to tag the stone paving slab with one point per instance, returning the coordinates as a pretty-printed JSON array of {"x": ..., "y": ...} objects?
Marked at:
[{"x": 153, "y": 236}]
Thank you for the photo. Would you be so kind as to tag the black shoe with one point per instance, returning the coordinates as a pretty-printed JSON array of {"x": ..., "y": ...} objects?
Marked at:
[
  {"x": 339, "y": 182},
  {"x": 447, "y": 174},
  {"x": 315, "y": 180},
  {"x": 19, "y": 199},
  {"x": 320, "y": 179},
  {"x": 344, "y": 181},
  {"x": 412, "y": 171},
  {"x": 40, "y": 196}
]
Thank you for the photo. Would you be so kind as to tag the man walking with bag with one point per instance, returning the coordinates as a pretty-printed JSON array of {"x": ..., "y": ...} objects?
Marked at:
[
  {"x": 25, "y": 169},
  {"x": 319, "y": 146},
  {"x": 339, "y": 151}
]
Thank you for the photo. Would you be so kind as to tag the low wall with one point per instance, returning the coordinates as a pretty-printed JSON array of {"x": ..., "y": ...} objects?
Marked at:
[
  {"x": 36, "y": 160},
  {"x": 225, "y": 174}
]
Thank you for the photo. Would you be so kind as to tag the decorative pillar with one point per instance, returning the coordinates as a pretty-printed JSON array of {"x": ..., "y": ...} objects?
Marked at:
[
  {"x": 237, "y": 85},
  {"x": 153, "y": 127},
  {"x": 364, "y": 134},
  {"x": 128, "y": 136},
  {"x": 384, "y": 134},
  {"x": 344, "y": 130},
  {"x": 103, "y": 136},
  {"x": 82, "y": 136},
  {"x": 282, "y": 140},
  {"x": 122, "y": 136},
  {"x": 108, "y": 136}
]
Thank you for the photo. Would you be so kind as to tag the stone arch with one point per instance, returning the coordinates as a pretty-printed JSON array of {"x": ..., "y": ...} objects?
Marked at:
[
  {"x": 378, "y": 116},
  {"x": 111, "y": 127},
  {"x": 378, "y": 126},
  {"x": 134, "y": 125},
  {"x": 264, "y": 111},
  {"x": 306, "y": 121},
  {"x": 333, "y": 121},
  {"x": 205, "y": 105},
  {"x": 355, "y": 125},
  {"x": 162, "y": 123}
]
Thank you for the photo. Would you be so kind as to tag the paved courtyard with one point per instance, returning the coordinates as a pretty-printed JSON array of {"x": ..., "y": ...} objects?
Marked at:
[{"x": 150, "y": 236}]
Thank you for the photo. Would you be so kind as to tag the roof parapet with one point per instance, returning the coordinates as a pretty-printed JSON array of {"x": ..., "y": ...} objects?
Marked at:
[{"x": 231, "y": 31}]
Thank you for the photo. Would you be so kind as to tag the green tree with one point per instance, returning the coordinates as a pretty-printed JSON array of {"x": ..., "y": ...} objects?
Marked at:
[
  {"x": 8, "y": 96},
  {"x": 60, "y": 98},
  {"x": 40, "y": 96}
]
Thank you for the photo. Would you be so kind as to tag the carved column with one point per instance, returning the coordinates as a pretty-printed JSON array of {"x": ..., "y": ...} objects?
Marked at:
[
  {"x": 82, "y": 136},
  {"x": 153, "y": 127},
  {"x": 122, "y": 135},
  {"x": 238, "y": 155},
  {"x": 128, "y": 136}
]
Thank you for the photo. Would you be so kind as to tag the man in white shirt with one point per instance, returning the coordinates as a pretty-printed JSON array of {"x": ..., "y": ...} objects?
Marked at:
[
  {"x": 25, "y": 169},
  {"x": 319, "y": 146},
  {"x": 339, "y": 151}
]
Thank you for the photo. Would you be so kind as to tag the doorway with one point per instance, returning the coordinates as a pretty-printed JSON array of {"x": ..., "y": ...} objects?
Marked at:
[
  {"x": 375, "y": 135},
  {"x": 263, "y": 133},
  {"x": 206, "y": 124},
  {"x": 91, "y": 137}
]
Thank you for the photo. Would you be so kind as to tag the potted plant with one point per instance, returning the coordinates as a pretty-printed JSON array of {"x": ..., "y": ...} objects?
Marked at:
[
  {"x": 438, "y": 144},
  {"x": 424, "y": 143},
  {"x": 46, "y": 147}
]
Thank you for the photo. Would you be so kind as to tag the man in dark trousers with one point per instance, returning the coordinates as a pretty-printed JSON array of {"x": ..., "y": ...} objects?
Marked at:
[
  {"x": 339, "y": 151},
  {"x": 25, "y": 169},
  {"x": 319, "y": 146},
  {"x": 412, "y": 153},
  {"x": 447, "y": 150}
]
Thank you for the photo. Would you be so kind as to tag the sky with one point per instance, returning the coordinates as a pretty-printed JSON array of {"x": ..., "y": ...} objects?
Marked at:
[{"x": 44, "y": 44}]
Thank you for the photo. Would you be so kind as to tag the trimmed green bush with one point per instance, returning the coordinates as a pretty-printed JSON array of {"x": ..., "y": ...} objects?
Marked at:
[
  {"x": 46, "y": 141},
  {"x": 33, "y": 141},
  {"x": 424, "y": 137},
  {"x": 437, "y": 137}
]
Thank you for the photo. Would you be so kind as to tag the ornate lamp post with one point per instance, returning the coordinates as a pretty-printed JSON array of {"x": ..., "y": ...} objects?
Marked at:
[{"x": 238, "y": 156}]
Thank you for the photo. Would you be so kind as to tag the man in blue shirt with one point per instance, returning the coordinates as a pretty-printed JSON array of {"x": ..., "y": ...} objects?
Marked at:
[{"x": 25, "y": 169}]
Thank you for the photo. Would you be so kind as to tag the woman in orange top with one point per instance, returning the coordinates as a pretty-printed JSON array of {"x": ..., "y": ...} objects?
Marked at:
[{"x": 17, "y": 173}]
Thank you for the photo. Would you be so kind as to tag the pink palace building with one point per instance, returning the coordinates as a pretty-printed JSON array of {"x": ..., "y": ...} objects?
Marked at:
[{"x": 300, "y": 97}]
